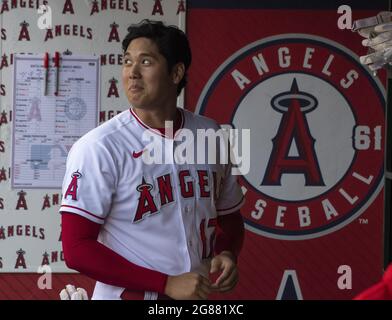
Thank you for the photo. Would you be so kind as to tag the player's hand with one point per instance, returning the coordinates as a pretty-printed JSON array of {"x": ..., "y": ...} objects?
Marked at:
[
  {"x": 226, "y": 265},
  {"x": 71, "y": 293},
  {"x": 377, "y": 32},
  {"x": 188, "y": 286}
]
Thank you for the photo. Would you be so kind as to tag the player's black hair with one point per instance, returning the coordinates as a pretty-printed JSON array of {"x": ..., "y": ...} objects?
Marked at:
[{"x": 172, "y": 43}]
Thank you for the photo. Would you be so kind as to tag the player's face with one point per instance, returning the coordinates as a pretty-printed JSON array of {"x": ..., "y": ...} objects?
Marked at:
[{"x": 147, "y": 81}]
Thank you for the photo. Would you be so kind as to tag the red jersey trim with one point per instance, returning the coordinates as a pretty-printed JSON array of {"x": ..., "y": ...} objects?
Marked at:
[
  {"x": 85, "y": 211},
  {"x": 156, "y": 131}
]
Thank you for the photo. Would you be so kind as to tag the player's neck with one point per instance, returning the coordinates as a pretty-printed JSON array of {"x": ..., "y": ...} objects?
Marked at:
[{"x": 156, "y": 118}]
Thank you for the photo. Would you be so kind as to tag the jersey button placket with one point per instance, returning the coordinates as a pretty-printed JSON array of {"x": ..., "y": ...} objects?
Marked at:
[
  {"x": 182, "y": 206},
  {"x": 188, "y": 209}
]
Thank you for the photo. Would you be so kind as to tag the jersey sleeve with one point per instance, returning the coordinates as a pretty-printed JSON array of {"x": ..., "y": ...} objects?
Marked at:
[
  {"x": 89, "y": 181},
  {"x": 230, "y": 197}
]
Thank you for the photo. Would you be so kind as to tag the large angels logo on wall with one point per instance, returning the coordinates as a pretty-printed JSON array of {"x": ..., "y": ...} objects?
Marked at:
[{"x": 316, "y": 120}]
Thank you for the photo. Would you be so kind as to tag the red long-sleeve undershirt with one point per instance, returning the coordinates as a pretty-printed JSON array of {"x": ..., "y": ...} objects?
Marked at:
[{"x": 82, "y": 252}]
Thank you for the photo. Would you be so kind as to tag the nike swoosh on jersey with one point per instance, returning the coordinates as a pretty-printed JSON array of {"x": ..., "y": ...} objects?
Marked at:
[{"x": 137, "y": 154}]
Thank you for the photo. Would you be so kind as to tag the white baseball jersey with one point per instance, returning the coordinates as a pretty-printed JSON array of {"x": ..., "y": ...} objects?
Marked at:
[{"x": 158, "y": 216}]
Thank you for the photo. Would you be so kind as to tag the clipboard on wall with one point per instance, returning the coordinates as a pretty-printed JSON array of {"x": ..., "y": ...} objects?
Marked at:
[{"x": 46, "y": 125}]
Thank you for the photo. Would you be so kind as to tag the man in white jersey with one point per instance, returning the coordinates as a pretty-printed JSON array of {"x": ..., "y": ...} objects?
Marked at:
[{"x": 151, "y": 230}]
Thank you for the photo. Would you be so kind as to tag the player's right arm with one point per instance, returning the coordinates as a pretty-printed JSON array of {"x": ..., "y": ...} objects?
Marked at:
[{"x": 82, "y": 252}]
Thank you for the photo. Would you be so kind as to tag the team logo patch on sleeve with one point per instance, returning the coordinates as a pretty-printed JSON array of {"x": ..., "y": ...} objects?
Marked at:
[
  {"x": 73, "y": 186},
  {"x": 316, "y": 120}
]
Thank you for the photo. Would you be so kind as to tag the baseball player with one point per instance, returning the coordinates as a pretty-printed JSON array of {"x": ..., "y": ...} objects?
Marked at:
[
  {"x": 377, "y": 32},
  {"x": 151, "y": 230}
]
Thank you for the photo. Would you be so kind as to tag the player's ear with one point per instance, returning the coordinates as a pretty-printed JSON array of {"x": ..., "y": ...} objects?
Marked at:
[{"x": 178, "y": 72}]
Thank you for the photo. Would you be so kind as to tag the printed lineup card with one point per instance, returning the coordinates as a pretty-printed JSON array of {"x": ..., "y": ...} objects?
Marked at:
[{"x": 46, "y": 126}]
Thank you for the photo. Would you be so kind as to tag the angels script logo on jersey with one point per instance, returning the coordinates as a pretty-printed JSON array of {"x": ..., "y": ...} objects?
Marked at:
[{"x": 316, "y": 120}]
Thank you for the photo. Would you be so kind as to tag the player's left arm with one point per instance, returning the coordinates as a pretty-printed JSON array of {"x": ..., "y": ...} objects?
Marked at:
[
  {"x": 229, "y": 240},
  {"x": 229, "y": 230}
]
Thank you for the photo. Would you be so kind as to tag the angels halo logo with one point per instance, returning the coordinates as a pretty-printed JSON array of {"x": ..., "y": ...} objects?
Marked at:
[{"x": 316, "y": 120}]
